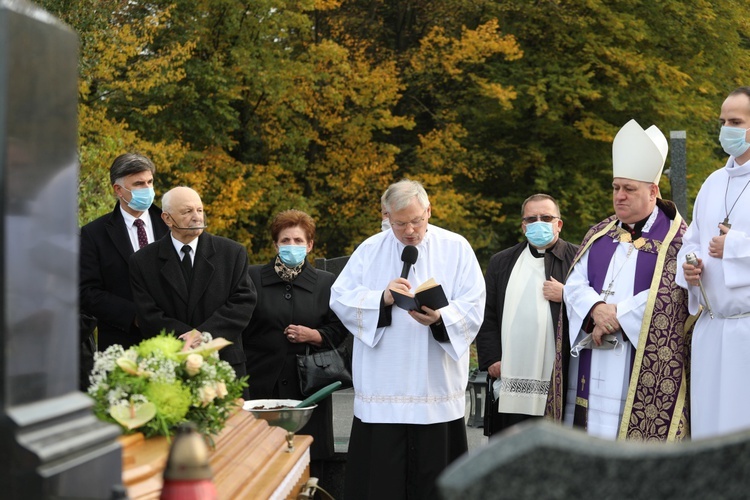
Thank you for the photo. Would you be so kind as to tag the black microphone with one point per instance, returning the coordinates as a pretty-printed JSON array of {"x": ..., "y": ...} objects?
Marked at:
[{"x": 409, "y": 257}]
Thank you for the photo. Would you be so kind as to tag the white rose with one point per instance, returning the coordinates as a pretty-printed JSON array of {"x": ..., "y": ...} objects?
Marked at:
[
  {"x": 221, "y": 389},
  {"x": 193, "y": 364},
  {"x": 207, "y": 394}
]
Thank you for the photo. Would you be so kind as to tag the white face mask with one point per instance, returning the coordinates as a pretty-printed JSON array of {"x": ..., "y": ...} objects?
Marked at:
[{"x": 733, "y": 141}]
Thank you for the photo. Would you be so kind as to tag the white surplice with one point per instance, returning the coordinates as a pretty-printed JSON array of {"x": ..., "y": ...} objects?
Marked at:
[
  {"x": 528, "y": 340},
  {"x": 401, "y": 373},
  {"x": 610, "y": 369},
  {"x": 720, "y": 359}
]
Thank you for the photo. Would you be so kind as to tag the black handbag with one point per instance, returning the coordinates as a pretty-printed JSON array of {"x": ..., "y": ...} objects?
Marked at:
[{"x": 321, "y": 368}]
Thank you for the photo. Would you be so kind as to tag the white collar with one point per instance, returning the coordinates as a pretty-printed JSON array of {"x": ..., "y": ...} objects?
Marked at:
[
  {"x": 178, "y": 245},
  {"x": 130, "y": 219}
]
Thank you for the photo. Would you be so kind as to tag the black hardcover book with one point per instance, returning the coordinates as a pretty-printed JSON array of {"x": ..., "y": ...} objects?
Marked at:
[{"x": 429, "y": 294}]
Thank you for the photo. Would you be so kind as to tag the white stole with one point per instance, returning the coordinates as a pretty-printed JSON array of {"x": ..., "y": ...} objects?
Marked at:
[{"x": 528, "y": 340}]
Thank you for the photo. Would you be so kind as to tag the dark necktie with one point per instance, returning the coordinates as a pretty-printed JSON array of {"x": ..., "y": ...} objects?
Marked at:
[
  {"x": 142, "y": 238},
  {"x": 187, "y": 263}
]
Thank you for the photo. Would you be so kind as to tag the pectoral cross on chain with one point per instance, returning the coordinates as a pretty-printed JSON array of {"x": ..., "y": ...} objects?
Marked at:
[
  {"x": 606, "y": 293},
  {"x": 726, "y": 223},
  {"x": 610, "y": 288}
]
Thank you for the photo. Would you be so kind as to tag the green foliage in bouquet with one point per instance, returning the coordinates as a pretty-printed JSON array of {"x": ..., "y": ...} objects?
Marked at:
[{"x": 160, "y": 383}]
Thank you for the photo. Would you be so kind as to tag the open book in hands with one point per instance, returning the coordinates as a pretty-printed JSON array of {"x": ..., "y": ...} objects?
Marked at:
[{"x": 429, "y": 294}]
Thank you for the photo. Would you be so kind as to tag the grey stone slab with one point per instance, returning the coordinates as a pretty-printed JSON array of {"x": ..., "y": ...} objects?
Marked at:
[
  {"x": 52, "y": 445},
  {"x": 333, "y": 265},
  {"x": 545, "y": 460},
  {"x": 678, "y": 171}
]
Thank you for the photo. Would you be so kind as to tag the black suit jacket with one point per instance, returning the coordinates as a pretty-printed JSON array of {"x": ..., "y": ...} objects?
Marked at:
[
  {"x": 220, "y": 300},
  {"x": 104, "y": 288}
]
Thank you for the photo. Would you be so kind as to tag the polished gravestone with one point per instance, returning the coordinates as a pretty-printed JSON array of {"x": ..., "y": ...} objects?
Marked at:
[
  {"x": 544, "y": 460},
  {"x": 52, "y": 445},
  {"x": 678, "y": 171},
  {"x": 334, "y": 265},
  {"x": 333, "y": 470}
]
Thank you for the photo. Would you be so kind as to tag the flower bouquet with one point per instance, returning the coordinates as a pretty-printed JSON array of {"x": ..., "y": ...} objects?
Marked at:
[{"x": 160, "y": 383}]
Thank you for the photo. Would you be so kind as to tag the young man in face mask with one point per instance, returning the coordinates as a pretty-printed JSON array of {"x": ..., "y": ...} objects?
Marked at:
[
  {"x": 524, "y": 293},
  {"x": 719, "y": 236},
  {"x": 108, "y": 242}
]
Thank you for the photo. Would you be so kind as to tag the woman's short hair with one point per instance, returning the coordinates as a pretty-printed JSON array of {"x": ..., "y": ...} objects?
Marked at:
[{"x": 293, "y": 218}]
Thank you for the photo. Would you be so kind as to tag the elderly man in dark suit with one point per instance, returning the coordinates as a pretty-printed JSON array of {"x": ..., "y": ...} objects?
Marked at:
[
  {"x": 107, "y": 244},
  {"x": 193, "y": 279}
]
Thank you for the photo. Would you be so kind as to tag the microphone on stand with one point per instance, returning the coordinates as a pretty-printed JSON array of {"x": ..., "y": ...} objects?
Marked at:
[
  {"x": 409, "y": 257},
  {"x": 693, "y": 261}
]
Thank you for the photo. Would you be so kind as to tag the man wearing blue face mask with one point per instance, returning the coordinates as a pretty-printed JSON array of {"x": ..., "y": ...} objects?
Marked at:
[
  {"x": 516, "y": 343},
  {"x": 719, "y": 236},
  {"x": 108, "y": 242}
]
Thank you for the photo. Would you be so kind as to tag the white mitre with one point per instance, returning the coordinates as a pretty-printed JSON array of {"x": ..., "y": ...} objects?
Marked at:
[{"x": 639, "y": 154}]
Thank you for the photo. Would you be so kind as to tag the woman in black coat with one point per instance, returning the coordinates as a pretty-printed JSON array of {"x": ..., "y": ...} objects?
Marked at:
[{"x": 292, "y": 313}]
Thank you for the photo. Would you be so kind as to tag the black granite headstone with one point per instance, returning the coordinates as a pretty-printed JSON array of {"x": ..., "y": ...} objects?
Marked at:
[
  {"x": 678, "y": 171},
  {"x": 333, "y": 471},
  {"x": 334, "y": 265},
  {"x": 52, "y": 445},
  {"x": 543, "y": 460}
]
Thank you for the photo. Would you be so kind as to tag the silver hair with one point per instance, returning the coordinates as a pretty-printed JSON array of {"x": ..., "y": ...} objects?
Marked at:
[
  {"x": 166, "y": 199},
  {"x": 401, "y": 193},
  {"x": 127, "y": 164}
]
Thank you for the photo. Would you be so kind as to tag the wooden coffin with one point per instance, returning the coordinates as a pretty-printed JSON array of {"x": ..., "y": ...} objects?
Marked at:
[{"x": 250, "y": 460}]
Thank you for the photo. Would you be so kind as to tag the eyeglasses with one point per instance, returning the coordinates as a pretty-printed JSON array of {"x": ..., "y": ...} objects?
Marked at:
[
  {"x": 415, "y": 223},
  {"x": 543, "y": 218}
]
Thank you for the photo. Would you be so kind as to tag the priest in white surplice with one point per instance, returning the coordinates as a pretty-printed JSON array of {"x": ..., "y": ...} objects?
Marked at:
[
  {"x": 719, "y": 236},
  {"x": 410, "y": 369},
  {"x": 626, "y": 377}
]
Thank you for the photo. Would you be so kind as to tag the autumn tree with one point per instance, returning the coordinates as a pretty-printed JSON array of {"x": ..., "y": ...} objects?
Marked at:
[
  {"x": 445, "y": 53},
  {"x": 587, "y": 68},
  {"x": 116, "y": 64},
  {"x": 590, "y": 67},
  {"x": 320, "y": 104}
]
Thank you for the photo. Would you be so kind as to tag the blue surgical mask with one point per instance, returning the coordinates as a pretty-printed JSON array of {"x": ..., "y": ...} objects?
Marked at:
[
  {"x": 292, "y": 255},
  {"x": 141, "y": 199},
  {"x": 540, "y": 234},
  {"x": 733, "y": 141}
]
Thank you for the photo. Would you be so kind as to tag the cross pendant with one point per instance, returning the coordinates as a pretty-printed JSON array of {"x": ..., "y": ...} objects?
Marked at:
[
  {"x": 726, "y": 223},
  {"x": 606, "y": 293}
]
